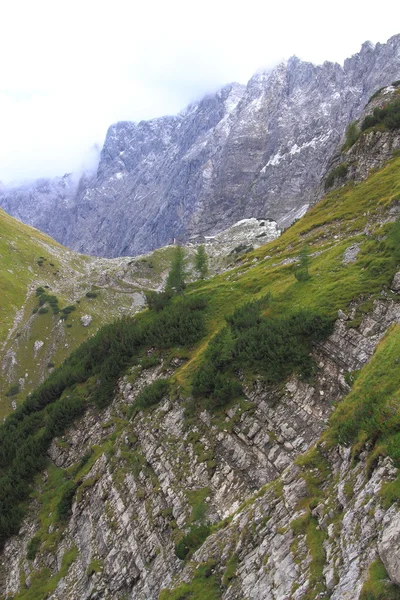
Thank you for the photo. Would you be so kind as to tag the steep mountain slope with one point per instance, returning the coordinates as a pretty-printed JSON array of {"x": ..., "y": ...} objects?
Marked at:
[
  {"x": 36, "y": 334},
  {"x": 224, "y": 496},
  {"x": 248, "y": 151},
  {"x": 366, "y": 146}
]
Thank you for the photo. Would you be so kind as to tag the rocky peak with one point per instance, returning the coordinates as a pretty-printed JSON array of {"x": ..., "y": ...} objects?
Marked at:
[{"x": 259, "y": 149}]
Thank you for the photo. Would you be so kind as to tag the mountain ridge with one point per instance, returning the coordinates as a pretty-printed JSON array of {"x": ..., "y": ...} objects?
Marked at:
[{"x": 256, "y": 150}]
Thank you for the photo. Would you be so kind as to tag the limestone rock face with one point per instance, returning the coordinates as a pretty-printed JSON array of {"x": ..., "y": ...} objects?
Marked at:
[
  {"x": 373, "y": 148},
  {"x": 389, "y": 547},
  {"x": 248, "y": 151},
  {"x": 146, "y": 475}
]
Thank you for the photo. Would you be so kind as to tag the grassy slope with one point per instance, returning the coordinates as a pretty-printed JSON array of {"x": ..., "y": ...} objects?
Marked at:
[
  {"x": 350, "y": 215},
  {"x": 69, "y": 276}
]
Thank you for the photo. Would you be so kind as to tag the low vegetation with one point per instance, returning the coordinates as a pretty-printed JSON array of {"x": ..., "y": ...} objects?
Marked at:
[
  {"x": 388, "y": 116},
  {"x": 352, "y": 135},
  {"x": 152, "y": 394},
  {"x": 337, "y": 173},
  {"x": 378, "y": 585},
  {"x": 272, "y": 347},
  {"x": 45, "y": 414},
  {"x": 205, "y": 585},
  {"x": 191, "y": 541}
]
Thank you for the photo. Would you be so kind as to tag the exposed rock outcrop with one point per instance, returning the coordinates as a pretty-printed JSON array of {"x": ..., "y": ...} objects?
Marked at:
[
  {"x": 372, "y": 149},
  {"x": 151, "y": 476}
]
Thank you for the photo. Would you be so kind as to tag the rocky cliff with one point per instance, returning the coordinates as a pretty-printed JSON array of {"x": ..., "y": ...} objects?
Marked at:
[
  {"x": 369, "y": 149},
  {"x": 248, "y": 151},
  {"x": 145, "y": 479}
]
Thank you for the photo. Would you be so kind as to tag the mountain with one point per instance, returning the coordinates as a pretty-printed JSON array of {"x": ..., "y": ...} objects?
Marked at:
[
  {"x": 240, "y": 442},
  {"x": 248, "y": 151},
  {"x": 36, "y": 334}
]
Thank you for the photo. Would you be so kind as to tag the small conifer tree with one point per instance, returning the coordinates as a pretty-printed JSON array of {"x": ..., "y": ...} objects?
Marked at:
[
  {"x": 301, "y": 271},
  {"x": 175, "y": 283},
  {"x": 201, "y": 262}
]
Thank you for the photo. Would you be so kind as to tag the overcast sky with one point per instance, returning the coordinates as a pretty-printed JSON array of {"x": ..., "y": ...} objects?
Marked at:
[{"x": 70, "y": 69}]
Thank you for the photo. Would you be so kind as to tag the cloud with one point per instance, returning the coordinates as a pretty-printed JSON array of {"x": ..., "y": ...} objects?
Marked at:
[{"x": 70, "y": 70}]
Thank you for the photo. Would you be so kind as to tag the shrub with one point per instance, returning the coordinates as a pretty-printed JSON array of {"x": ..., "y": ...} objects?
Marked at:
[
  {"x": 272, "y": 347},
  {"x": 13, "y": 390},
  {"x": 47, "y": 412},
  {"x": 149, "y": 361},
  {"x": 242, "y": 248},
  {"x": 64, "y": 505},
  {"x": 352, "y": 135},
  {"x": 68, "y": 309},
  {"x": 192, "y": 541},
  {"x": 388, "y": 116},
  {"x": 91, "y": 295},
  {"x": 152, "y": 394},
  {"x": 157, "y": 300},
  {"x": 43, "y": 310},
  {"x": 301, "y": 270},
  {"x": 33, "y": 547},
  {"x": 201, "y": 262},
  {"x": 338, "y": 172},
  {"x": 175, "y": 283}
]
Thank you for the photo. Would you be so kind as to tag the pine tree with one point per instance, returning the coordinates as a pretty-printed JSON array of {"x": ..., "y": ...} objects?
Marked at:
[
  {"x": 175, "y": 283},
  {"x": 201, "y": 262},
  {"x": 301, "y": 271}
]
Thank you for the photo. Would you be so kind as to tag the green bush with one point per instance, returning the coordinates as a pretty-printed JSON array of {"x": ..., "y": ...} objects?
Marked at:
[
  {"x": 388, "y": 116},
  {"x": 64, "y": 505},
  {"x": 33, "y": 547},
  {"x": 201, "y": 261},
  {"x": 273, "y": 348},
  {"x": 175, "y": 283},
  {"x": 338, "y": 172},
  {"x": 157, "y": 300},
  {"x": 301, "y": 270},
  {"x": 149, "y": 361},
  {"x": 152, "y": 394},
  {"x": 352, "y": 135},
  {"x": 13, "y": 390},
  {"x": 26, "y": 434},
  {"x": 192, "y": 541}
]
